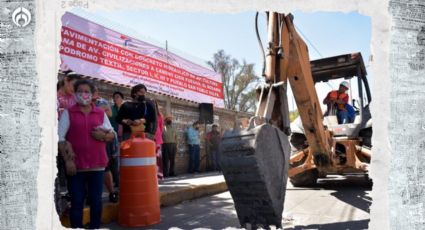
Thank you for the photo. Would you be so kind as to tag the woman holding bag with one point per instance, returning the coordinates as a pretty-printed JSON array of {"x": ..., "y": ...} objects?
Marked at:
[{"x": 83, "y": 133}]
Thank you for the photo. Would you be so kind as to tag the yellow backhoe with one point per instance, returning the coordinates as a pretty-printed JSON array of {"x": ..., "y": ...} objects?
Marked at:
[{"x": 256, "y": 161}]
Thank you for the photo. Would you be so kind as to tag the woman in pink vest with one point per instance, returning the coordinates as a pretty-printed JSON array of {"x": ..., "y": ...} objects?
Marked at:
[{"x": 83, "y": 133}]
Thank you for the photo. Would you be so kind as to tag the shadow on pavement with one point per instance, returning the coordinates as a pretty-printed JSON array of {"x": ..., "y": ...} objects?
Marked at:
[
  {"x": 351, "y": 190},
  {"x": 356, "y": 198},
  {"x": 350, "y": 181},
  {"x": 355, "y": 224}
]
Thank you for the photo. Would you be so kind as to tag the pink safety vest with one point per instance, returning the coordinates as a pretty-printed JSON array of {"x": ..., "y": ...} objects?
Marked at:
[{"x": 89, "y": 152}]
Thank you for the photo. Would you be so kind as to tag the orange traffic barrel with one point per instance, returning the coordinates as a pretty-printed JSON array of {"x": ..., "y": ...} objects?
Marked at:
[{"x": 139, "y": 196}]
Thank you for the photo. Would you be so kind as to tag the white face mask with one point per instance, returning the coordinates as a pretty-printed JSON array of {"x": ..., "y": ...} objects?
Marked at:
[{"x": 83, "y": 98}]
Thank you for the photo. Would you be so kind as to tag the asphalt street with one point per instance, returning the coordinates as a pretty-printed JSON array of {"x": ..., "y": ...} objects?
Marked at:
[{"x": 335, "y": 203}]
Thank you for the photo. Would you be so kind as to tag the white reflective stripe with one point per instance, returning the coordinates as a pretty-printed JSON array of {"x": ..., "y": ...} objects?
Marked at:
[{"x": 138, "y": 161}]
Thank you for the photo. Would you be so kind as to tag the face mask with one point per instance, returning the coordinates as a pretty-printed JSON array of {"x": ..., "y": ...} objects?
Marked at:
[
  {"x": 141, "y": 98},
  {"x": 168, "y": 122},
  {"x": 83, "y": 98}
]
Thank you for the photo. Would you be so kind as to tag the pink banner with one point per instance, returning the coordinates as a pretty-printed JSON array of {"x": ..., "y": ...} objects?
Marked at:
[{"x": 93, "y": 50}]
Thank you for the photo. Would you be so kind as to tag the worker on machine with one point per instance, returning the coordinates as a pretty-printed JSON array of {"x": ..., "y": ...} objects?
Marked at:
[{"x": 337, "y": 101}]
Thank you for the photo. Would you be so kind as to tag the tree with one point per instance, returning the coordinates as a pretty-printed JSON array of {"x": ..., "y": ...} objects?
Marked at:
[
  {"x": 238, "y": 81},
  {"x": 293, "y": 115}
]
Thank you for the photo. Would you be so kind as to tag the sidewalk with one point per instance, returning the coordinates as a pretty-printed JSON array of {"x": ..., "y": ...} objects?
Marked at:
[{"x": 172, "y": 191}]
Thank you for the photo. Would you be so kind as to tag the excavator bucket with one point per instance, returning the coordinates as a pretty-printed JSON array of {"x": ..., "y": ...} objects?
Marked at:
[{"x": 254, "y": 162}]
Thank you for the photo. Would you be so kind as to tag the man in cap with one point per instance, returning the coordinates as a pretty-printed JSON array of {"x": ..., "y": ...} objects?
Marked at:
[
  {"x": 337, "y": 99},
  {"x": 169, "y": 147}
]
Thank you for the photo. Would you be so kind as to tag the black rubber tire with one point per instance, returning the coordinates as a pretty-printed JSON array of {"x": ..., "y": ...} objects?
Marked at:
[
  {"x": 308, "y": 177},
  {"x": 366, "y": 135},
  {"x": 298, "y": 141},
  {"x": 305, "y": 179}
]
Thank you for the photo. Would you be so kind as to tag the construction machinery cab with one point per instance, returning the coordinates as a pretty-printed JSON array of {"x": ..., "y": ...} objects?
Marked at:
[{"x": 348, "y": 67}]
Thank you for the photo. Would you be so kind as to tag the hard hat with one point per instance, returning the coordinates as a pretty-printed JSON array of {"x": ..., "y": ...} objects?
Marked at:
[{"x": 345, "y": 84}]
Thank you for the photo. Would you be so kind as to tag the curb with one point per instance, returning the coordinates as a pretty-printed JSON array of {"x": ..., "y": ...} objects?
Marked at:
[
  {"x": 184, "y": 194},
  {"x": 110, "y": 210}
]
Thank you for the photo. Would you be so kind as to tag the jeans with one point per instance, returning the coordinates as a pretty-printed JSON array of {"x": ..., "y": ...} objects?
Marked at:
[
  {"x": 194, "y": 158},
  {"x": 342, "y": 117},
  {"x": 168, "y": 158},
  {"x": 93, "y": 181},
  {"x": 215, "y": 159}
]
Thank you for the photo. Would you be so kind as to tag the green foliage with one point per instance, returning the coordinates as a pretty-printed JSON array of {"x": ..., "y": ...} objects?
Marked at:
[
  {"x": 238, "y": 81},
  {"x": 293, "y": 115}
]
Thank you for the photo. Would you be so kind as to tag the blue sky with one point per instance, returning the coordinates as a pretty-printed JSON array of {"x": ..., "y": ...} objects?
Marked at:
[{"x": 197, "y": 36}]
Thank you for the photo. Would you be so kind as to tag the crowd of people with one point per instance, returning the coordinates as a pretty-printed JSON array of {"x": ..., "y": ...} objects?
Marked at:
[{"x": 90, "y": 130}]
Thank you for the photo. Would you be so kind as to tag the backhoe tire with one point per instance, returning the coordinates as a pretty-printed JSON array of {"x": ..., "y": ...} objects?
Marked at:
[
  {"x": 366, "y": 135},
  {"x": 308, "y": 177},
  {"x": 298, "y": 141},
  {"x": 305, "y": 179}
]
